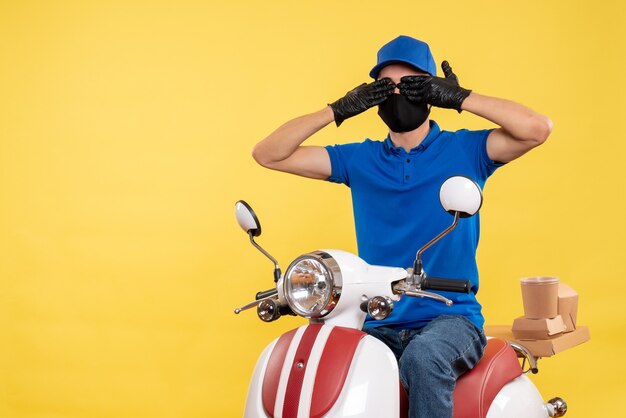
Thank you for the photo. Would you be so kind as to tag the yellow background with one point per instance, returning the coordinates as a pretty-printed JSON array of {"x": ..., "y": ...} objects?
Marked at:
[{"x": 125, "y": 136}]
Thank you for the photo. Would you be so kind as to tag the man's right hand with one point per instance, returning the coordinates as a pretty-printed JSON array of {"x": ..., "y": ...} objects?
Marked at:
[{"x": 362, "y": 98}]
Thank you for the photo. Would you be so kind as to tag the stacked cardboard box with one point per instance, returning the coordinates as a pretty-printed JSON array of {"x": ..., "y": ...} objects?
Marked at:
[{"x": 547, "y": 336}]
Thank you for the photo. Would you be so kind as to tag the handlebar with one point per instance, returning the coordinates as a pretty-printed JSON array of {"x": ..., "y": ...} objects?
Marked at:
[
  {"x": 266, "y": 294},
  {"x": 446, "y": 285}
]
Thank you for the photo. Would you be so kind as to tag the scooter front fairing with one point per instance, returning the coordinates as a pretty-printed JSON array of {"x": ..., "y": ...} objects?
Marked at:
[{"x": 324, "y": 370}]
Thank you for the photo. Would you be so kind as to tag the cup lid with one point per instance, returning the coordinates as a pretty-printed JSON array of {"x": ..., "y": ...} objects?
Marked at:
[{"x": 539, "y": 280}]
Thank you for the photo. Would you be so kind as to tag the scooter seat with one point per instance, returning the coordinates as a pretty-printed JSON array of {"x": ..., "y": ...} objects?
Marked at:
[{"x": 476, "y": 389}]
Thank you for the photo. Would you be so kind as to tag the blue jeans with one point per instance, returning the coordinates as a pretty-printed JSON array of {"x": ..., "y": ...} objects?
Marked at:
[{"x": 431, "y": 358}]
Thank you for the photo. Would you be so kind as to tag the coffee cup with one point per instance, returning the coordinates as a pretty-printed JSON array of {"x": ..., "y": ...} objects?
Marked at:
[{"x": 540, "y": 296}]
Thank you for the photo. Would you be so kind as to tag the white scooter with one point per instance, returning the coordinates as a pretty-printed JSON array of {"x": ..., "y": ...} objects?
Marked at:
[{"x": 330, "y": 368}]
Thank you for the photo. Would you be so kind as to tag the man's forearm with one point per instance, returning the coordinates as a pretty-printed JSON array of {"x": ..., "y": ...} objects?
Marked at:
[
  {"x": 285, "y": 140},
  {"x": 522, "y": 123}
]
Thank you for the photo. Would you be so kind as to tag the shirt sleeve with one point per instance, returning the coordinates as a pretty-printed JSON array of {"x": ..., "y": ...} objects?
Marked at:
[
  {"x": 340, "y": 157},
  {"x": 476, "y": 143}
]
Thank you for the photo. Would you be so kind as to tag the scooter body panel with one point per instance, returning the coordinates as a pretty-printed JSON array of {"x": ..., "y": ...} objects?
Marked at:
[
  {"x": 370, "y": 389},
  {"x": 518, "y": 399},
  {"x": 254, "y": 402}
]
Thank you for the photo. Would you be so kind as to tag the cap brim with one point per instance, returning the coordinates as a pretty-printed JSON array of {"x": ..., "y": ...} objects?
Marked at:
[{"x": 376, "y": 70}]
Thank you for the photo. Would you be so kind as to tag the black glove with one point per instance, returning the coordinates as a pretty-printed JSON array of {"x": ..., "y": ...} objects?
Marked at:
[
  {"x": 362, "y": 98},
  {"x": 436, "y": 91}
]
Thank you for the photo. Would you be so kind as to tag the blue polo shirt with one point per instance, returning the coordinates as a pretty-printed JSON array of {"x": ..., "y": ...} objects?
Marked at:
[{"x": 395, "y": 199}]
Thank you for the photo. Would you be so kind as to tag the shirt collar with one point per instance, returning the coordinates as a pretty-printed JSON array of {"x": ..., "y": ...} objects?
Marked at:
[{"x": 432, "y": 135}]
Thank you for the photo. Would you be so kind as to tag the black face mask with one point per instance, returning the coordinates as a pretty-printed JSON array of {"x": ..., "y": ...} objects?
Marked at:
[{"x": 402, "y": 115}]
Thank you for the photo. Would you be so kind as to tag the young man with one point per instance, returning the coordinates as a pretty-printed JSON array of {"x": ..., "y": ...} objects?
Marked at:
[{"x": 395, "y": 185}]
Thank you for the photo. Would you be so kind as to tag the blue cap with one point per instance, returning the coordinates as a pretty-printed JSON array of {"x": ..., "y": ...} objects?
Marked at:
[{"x": 406, "y": 50}]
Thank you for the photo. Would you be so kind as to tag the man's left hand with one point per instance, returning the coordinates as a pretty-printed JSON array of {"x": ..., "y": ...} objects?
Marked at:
[{"x": 436, "y": 91}]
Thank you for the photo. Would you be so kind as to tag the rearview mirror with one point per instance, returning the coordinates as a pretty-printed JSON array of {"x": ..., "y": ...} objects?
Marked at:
[
  {"x": 461, "y": 194},
  {"x": 246, "y": 218}
]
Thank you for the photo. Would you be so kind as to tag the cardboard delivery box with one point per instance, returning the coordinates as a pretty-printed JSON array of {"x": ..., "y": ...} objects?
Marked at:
[
  {"x": 542, "y": 348},
  {"x": 538, "y": 329},
  {"x": 568, "y": 306}
]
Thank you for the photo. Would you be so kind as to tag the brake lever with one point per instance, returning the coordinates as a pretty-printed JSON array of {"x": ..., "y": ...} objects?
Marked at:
[
  {"x": 406, "y": 289},
  {"x": 253, "y": 304}
]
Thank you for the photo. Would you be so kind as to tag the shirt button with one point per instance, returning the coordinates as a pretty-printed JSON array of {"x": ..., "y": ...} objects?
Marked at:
[
  {"x": 408, "y": 160},
  {"x": 407, "y": 177}
]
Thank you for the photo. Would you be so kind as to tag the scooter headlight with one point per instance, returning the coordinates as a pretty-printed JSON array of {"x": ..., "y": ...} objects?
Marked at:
[{"x": 312, "y": 284}]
